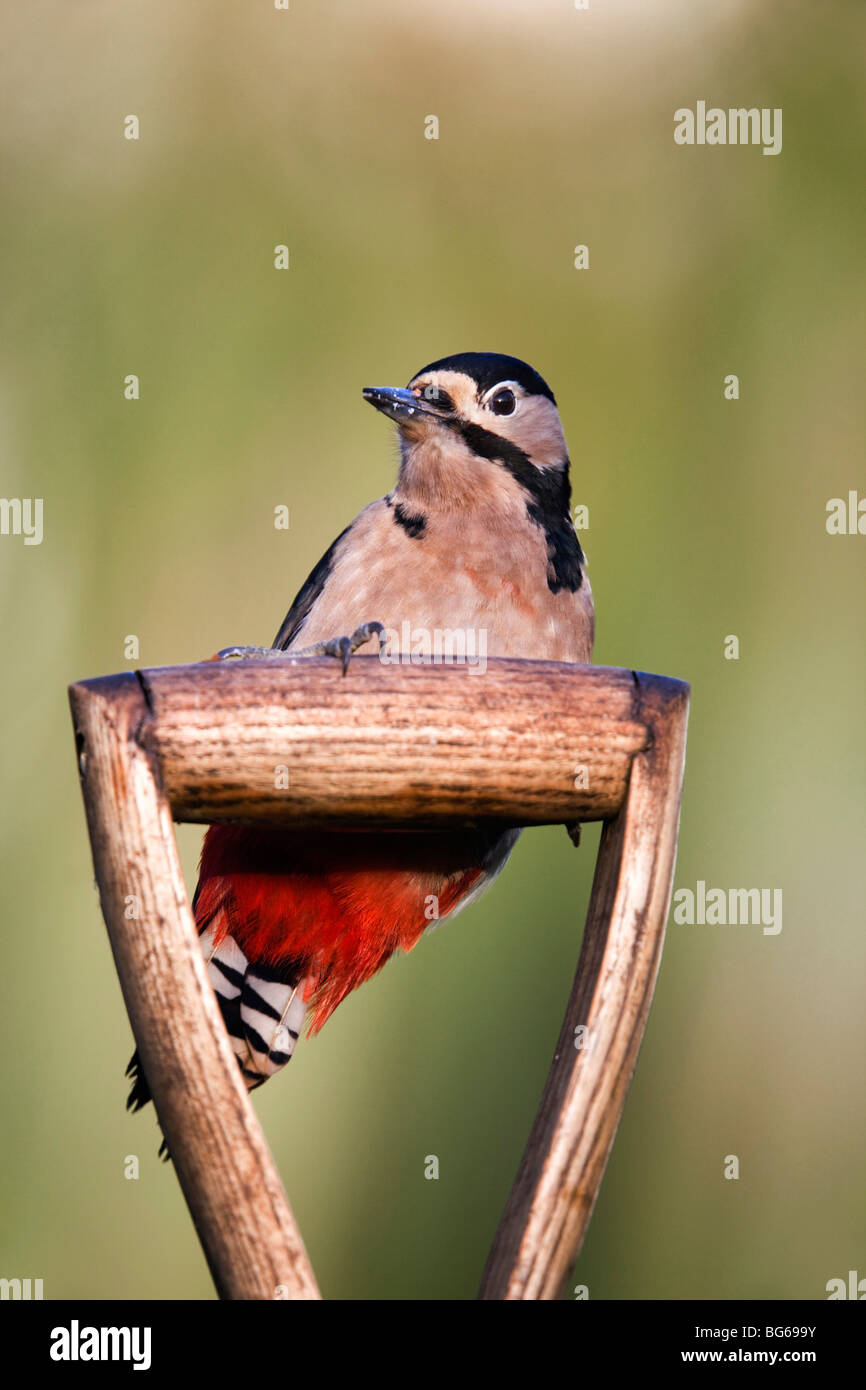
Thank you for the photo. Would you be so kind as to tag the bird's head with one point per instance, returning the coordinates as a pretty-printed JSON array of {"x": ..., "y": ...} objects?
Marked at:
[{"x": 476, "y": 426}]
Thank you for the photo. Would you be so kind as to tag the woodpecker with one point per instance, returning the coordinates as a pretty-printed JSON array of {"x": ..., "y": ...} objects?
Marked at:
[{"x": 476, "y": 535}]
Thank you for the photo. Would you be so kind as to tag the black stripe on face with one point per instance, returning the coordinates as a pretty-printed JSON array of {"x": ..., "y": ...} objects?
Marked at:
[
  {"x": 548, "y": 502},
  {"x": 414, "y": 526},
  {"x": 438, "y": 397}
]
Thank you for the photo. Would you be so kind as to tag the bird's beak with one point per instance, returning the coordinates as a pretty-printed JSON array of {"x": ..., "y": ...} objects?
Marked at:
[{"x": 399, "y": 404}]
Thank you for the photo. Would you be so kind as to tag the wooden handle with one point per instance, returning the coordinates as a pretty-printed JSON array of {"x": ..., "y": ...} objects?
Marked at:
[
  {"x": 410, "y": 744},
  {"x": 229, "y": 1180},
  {"x": 291, "y": 740},
  {"x": 548, "y": 1212}
]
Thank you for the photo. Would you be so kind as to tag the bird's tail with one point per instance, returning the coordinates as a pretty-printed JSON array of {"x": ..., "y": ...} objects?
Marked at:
[
  {"x": 262, "y": 1006},
  {"x": 140, "y": 1093}
]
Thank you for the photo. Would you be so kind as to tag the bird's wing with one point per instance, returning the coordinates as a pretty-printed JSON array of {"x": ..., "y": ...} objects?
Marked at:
[{"x": 309, "y": 592}]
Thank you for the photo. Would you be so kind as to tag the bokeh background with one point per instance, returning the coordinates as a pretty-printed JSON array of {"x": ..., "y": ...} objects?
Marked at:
[{"x": 706, "y": 518}]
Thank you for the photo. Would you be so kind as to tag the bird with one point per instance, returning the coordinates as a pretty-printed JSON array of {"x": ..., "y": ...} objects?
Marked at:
[{"x": 477, "y": 534}]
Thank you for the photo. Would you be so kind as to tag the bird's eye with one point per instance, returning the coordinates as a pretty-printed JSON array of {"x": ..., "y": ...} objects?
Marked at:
[{"x": 503, "y": 402}]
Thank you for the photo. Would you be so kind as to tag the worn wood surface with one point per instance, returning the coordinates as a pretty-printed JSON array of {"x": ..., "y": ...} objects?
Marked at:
[
  {"x": 223, "y": 1164},
  {"x": 426, "y": 745},
  {"x": 549, "y": 1209},
  {"x": 524, "y": 742}
]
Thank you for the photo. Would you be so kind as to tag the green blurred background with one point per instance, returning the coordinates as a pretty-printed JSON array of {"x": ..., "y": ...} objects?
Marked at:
[{"x": 707, "y": 518}]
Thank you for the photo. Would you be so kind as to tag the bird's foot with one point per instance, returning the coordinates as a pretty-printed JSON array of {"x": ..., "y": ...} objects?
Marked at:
[
  {"x": 344, "y": 647},
  {"x": 243, "y": 653},
  {"x": 341, "y": 647}
]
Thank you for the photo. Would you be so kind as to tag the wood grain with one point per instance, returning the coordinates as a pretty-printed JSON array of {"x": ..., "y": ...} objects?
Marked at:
[
  {"x": 420, "y": 745},
  {"x": 231, "y": 1185},
  {"x": 545, "y": 1221}
]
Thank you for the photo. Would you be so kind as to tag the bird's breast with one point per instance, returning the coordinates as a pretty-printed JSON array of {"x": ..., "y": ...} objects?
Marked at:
[{"x": 490, "y": 585}]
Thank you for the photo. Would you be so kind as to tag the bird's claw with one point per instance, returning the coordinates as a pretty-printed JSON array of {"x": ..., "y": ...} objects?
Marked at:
[{"x": 344, "y": 648}]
